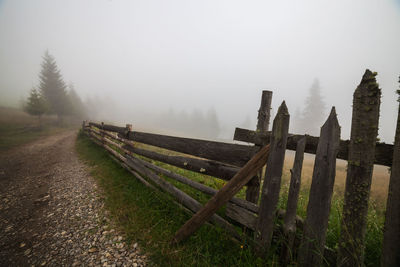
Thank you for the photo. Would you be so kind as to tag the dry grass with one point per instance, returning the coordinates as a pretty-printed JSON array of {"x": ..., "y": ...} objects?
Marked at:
[
  {"x": 17, "y": 127},
  {"x": 380, "y": 178}
]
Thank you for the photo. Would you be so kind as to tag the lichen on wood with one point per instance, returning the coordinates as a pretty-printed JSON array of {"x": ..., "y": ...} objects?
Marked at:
[{"x": 364, "y": 131}]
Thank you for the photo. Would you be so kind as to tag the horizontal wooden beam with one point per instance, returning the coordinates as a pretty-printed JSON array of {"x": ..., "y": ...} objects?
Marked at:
[
  {"x": 383, "y": 152},
  {"x": 109, "y": 127},
  {"x": 207, "y": 167},
  {"x": 249, "y": 219},
  {"x": 233, "y": 154}
]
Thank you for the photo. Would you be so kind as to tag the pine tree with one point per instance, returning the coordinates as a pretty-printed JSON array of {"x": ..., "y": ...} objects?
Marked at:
[
  {"x": 53, "y": 88},
  {"x": 36, "y": 104},
  {"x": 314, "y": 110}
]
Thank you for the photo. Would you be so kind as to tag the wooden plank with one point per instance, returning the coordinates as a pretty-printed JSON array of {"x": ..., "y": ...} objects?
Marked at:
[
  {"x": 233, "y": 154},
  {"x": 240, "y": 215},
  {"x": 203, "y": 188},
  {"x": 249, "y": 219},
  {"x": 253, "y": 190},
  {"x": 364, "y": 131},
  {"x": 224, "y": 195},
  {"x": 272, "y": 180},
  {"x": 108, "y": 127},
  {"x": 289, "y": 222},
  {"x": 391, "y": 238},
  {"x": 208, "y": 167},
  {"x": 383, "y": 152},
  {"x": 319, "y": 204},
  {"x": 180, "y": 196}
]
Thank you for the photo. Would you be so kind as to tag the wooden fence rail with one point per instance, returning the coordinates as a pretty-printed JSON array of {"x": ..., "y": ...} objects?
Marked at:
[{"x": 302, "y": 241}]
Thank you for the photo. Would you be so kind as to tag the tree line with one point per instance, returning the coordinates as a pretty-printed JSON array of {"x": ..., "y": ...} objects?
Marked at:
[
  {"x": 197, "y": 123},
  {"x": 52, "y": 95}
]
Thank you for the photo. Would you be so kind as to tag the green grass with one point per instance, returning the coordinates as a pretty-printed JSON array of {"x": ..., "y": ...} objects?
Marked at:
[{"x": 152, "y": 217}]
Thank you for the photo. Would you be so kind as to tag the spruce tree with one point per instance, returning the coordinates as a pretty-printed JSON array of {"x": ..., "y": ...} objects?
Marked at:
[
  {"x": 53, "y": 88},
  {"x": 36, "y": 104},
  {"x": 314, "y": 110}
]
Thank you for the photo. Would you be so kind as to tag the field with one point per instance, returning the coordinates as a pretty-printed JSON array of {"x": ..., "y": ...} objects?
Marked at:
[
  {"x": 153, "y": 217},
  {"x": 18, "y": 128}
]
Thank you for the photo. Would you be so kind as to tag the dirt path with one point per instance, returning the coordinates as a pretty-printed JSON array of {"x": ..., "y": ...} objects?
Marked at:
[{"x": 51, "y": 213}]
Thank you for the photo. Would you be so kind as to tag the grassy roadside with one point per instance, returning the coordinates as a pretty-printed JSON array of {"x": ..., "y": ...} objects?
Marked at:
[{"x": 152, "y": 218}]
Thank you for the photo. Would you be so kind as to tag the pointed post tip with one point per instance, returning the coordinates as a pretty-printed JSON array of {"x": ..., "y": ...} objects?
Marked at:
[
  {"x": 332, "y": 118},
  {"x": 333, "y": 111},
  {"x": 283, "y": 108}
]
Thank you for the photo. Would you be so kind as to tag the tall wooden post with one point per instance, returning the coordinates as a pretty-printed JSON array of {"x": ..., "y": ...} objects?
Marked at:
[
  {"x": 391, "y": 238},
  {"x": 289, "y": 221},
  {"x": 364, "y": 130},
  {"x": 253, "y": 190},
  {"x": 272, "y": 180},
  {"x": 312, "y": 245}
]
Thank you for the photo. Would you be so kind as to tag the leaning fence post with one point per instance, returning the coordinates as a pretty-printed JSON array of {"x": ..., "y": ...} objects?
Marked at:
[
  {"x": 289, "y": 221},
  {"x": 253, "y": 189},
  {"x": 391, "y": 238},
  {"x": 313, "y": 242},
  {"x": 272, "y": 180},
  {"x": 364, "y": 130}
]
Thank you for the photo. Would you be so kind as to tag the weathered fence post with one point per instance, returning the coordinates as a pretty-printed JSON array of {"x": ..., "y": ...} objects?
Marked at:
[
  {"x": 253, "y": 189},
  {"x": 313, "y": 242},
  {"x": 391, "y": 238},
  {"x": 364, "y": 130},
  {"x": 289, "y": 222},
  {"x": 272, "y": 180}
]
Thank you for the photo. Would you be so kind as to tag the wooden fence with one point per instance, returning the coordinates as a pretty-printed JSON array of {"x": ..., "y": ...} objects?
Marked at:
[{"x": 241, "y": 165}]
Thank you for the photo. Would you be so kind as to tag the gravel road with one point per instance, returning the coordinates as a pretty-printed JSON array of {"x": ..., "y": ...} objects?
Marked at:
[{"x": 51, "y": 211}]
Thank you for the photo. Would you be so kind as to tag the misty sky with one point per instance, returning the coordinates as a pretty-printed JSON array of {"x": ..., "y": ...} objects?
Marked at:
[{"x": 148, "y": 56}]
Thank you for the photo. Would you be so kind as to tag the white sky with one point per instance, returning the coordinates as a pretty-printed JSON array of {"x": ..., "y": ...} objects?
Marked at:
[{"x": 149, "y": 56}]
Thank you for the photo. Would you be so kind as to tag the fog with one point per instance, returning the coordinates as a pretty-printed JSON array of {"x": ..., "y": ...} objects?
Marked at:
[{"x": 141, "y": 60}]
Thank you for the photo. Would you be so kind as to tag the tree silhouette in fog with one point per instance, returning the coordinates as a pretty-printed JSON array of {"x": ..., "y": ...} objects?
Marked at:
[
  {"x": 36, "y": 105},
  {"x": 313, "y": 113},
  {"x": 53, "y": 88}
]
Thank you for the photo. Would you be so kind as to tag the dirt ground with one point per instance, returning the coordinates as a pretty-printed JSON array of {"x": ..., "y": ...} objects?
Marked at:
[{"x": 51, "y": 212}]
